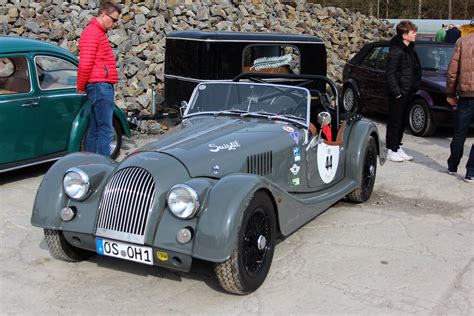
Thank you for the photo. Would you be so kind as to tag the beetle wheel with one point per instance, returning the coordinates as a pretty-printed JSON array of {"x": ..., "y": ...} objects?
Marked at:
[
  {"x": 116, "y": 141},
  {"x": 369, "y": 171},
  {"x": 61, "y": 249},
  {"x": 248, "y": 266}
]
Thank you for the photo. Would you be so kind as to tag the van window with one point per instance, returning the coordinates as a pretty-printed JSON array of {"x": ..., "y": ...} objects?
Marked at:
[
  {"x": 278, "y": 59},
  {"x": 14, "y": 75},
  {"x": 55, "y": 73}
]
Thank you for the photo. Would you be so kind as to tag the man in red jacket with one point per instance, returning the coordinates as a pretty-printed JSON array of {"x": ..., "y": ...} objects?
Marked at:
[{"x": 97, "y": 75}]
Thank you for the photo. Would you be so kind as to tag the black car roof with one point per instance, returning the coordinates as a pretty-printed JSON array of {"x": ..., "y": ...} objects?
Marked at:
[
  {"x": 367, "y": 47},
  {"x": 243, "y": 36}
]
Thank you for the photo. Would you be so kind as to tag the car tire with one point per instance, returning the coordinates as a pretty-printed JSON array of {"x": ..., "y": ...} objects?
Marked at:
[
  {"x": 116, "y": 142},
  {"x": 248, "y": 266},
  {"x": 369, "y": 171},
  {"x": 420, "y": 119},
  {"x": 61, "y": 249},
  {"x": 350, "y": 103}
]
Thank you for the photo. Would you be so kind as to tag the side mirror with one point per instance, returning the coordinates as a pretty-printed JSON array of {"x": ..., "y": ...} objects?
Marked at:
[
  {"x": 324, "y": 118},
  {"x": 183, "y": 107}
]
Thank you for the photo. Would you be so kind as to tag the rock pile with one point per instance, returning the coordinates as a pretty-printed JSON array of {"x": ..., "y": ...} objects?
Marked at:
[{"x": 139, "y": 41}]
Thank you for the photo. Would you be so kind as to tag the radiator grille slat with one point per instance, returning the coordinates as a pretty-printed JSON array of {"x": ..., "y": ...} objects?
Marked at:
[
  {"x": 260, "y": 164},
  {"x": 125, "y": 205}
]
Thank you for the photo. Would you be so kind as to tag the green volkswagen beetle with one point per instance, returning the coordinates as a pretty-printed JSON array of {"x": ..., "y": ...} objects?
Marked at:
[
  {"x": 251, "y": 161},
  {"x": 42, "y": 118}
]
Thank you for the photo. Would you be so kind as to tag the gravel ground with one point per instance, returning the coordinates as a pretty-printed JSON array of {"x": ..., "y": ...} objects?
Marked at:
[{"x": 408, "y": 250}]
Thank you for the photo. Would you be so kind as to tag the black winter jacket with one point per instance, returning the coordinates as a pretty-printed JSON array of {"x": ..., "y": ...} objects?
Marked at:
[{"x": 403, "y": 70}]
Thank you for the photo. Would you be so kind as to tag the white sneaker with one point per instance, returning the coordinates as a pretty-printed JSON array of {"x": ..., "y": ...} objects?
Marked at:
[
  {"x": 403, "y": 154},
  {"x": 394, "y": 156}
]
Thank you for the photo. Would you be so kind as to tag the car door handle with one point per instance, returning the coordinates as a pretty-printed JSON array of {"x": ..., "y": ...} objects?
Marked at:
[{"x": 30, "y": 105}]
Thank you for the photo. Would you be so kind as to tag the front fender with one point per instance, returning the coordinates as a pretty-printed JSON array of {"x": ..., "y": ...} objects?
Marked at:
[
  {"x": 425, "y": 96},
  {"x": 361, "y": 130},
  {"x": 81, "y": 122},
  {"x": 50, "y": 198},
  {"x": 219, "y": 223}
]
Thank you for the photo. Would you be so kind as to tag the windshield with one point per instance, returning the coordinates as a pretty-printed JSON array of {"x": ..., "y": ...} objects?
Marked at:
[
  {"x": 433, "y": 57},
  {"x": 246, "y": 98}
]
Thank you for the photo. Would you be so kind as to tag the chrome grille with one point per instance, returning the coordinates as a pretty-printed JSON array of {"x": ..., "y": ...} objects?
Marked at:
[
  {"x": 260, "y": 164},
  {"x": 125, "y": 205}
]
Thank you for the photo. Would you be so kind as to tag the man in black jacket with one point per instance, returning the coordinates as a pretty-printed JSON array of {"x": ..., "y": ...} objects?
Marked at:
[
  {"x": 402, "y": 77},
  {"x": 452, "y": 34}
]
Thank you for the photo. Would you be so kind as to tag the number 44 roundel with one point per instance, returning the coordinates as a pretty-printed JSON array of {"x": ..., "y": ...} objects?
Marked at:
[{"x": 328, "y": 159}]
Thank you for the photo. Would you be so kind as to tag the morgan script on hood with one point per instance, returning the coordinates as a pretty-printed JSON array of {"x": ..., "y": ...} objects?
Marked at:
[{"x": 229, "y": 146}]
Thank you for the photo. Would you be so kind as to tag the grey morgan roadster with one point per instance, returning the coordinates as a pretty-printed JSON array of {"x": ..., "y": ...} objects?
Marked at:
[{"x": 252, "y": 161}]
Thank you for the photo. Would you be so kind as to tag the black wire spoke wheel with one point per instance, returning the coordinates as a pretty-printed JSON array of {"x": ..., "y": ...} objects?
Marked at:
[
  {"x": 60, "y": 248},
  {"x": 370, "y": 165},
  {"x": 248, "y": 266},
  {"x": 255, "y": 244},
  {"x": 369, "y": 171}
]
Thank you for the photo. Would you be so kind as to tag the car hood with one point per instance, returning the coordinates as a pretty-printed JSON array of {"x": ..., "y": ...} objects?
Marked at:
[
  {"x": 435, "y": 80},
  {"x": 217, "y": 146}
]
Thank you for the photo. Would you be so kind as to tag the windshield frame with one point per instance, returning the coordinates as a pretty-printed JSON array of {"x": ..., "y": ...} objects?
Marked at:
[{"x": 305, "y": 122}]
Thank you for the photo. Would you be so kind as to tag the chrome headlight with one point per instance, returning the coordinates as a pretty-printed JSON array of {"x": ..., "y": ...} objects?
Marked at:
[
  {"x": 183, "y": 201},
  {"x": 76, "y": 184}
]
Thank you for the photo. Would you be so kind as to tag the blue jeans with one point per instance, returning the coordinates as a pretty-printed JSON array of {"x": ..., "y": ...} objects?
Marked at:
[
  {"x": 100, "y": 133},
  {"x": 464, "y": 117}
]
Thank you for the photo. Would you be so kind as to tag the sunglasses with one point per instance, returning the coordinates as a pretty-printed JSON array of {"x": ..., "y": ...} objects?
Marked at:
[{"x": 113, "y": 19}]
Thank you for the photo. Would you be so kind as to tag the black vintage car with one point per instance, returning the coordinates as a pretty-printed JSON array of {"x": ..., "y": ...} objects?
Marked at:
[
  {"x": 364, "y": 85},
  {"x": 193, "y": 57}
]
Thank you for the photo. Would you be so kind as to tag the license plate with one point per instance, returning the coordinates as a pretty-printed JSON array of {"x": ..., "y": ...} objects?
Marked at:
[{"x": 124, "y": 251}]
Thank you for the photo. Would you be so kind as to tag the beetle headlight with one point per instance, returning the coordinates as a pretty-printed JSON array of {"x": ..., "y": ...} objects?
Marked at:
[
  {"x": 183, "y": 201},
  {"x": 76, "y": 183}
]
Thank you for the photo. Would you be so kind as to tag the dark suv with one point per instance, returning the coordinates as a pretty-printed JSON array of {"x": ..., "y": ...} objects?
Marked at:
[{"x": 364, "y": 85}]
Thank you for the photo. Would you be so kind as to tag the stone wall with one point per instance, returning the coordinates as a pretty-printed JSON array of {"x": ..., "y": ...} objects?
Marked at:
[{"x": 139, "y": 41}]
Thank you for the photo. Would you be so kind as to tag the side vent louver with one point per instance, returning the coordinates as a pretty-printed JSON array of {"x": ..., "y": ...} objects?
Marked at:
[{"x": 260, "y": 164}]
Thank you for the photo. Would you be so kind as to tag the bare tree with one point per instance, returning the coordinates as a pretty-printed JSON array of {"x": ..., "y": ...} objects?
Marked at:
[
  {"x": 449, "y": 9},
  {"x": 419, "y": 9},
  {"x": 465, "y": 10}
]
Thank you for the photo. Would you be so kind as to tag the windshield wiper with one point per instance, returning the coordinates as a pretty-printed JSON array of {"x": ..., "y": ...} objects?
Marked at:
[
  {"x": 258, "y": 113},
  {"x": 229, "y": 112},
  {"x": 290, "y": 116},
  {"x": 429, "y": 68}
]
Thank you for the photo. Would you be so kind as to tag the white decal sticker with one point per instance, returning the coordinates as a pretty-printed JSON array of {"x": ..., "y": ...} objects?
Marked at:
[
  {"x": 289, "y": 129},
  {"x": 328, "y": 160},
  {"x": 295, "y": 169},
  {"x": 271, "y": 62},
  {"x": 202, "y": 87},
  {"x": 295, "y": 181},
  {"x": 229, "y": 146},
  {"x": 295, "y": 136},
  {"x": 296, "y": 154}
]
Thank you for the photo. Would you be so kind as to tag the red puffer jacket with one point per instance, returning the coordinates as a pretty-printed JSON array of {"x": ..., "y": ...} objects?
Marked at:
[{"x": 97, "y": 61}]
